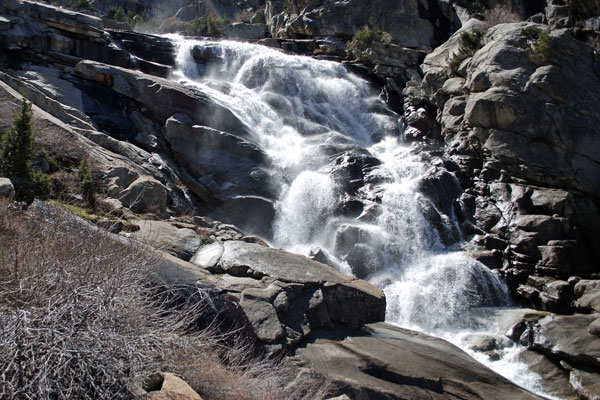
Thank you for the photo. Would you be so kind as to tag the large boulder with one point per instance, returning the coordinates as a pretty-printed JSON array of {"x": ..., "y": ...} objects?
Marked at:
[
  {"x": 571, "y": 343},
  {"x": 145, "y": 195},
  {"x": 587, "y": 296},
  {"x": 286, "y": 296},
  {"x": 181, "y": 241},
  {"x": 387, "y": 362}
]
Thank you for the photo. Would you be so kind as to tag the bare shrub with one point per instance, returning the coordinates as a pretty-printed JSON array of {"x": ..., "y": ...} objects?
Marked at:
[
  {"x": 80, "y": 320},
  {"x": 246, "y": 377},
  {"x": 500, "y": 15}
]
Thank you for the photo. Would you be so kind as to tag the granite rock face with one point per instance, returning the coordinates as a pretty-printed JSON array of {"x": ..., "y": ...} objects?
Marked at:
[
  {"x": 415, "y": 24},
  {"x": 521, "y": 128},
  {"x": 387, "y": 362}
]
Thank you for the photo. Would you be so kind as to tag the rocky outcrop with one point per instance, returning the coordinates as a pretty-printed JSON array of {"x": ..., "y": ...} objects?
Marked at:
[
  {"x": 387, "y": 362},
  {"x": 522, "y": 139},
  {"x": 412, "y": 24},
  {"x": 288, "y": 297},
  {"x": 571, "y": 343}
]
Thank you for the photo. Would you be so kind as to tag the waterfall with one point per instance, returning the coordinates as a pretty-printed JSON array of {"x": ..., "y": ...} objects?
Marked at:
[
  {"x": 348, "y": 188},
  {"x": 348, "y": 182}
]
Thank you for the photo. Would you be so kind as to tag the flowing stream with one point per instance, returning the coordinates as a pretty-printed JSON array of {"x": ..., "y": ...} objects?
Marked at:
[{"x": 349, "y": 186}]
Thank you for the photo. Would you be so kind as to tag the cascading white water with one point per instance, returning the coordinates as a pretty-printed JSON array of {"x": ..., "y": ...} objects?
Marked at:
[{"x": 308, "y": 115}]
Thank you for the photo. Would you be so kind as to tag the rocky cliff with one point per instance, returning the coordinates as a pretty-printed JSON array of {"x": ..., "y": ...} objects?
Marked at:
[{"x": 509, "y": 121}]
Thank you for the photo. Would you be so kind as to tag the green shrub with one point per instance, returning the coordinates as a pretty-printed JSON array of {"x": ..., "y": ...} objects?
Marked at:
[
  {"x": 17, "y": 145},
  {"x": 364, "y": 39},
  {"x": 205, "y": 26},
  {"x": 469, "y": 43},
  {"x": 117, "y": 13},
  {"x": 213, "y": 27},
  {"x": 541, "y": 38},
  {"x": 531, "y": 32},
  {"x": 84, "y": 179},
  {"x": 544, "y": 44},
  {"x": 82, "y": 5},
  {"x": 51, "y": 163},
  {"x": 173, "y": 25},
  {"x": 475, "y": 6}
]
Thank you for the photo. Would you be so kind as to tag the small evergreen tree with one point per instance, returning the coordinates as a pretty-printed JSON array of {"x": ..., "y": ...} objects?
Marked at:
[
  {"x": 213, "y": 28},
  {"x": 17, "y": 145},
  {"x": 84, "y": 177},
  {"x": 117, "y": 13},
  {"x": 16, "y": 155}
]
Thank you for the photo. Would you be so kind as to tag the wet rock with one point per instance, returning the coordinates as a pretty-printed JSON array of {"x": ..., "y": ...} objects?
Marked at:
[
  {"x": 586, "y": 384},
  {"x": 320, "y": 255},
  {"x": 487, "y": 343},
  {"x": 175, "y": 99},
  {"x": 152, "y": 48},
  {"x": 258, "y": 222},
  {"x": 235, "y": 163},
  {"x": 567, "y": 338},
  {"x": 350, "y": 168},
  {"x": 555, "y": 380},
  {"x": 371, "y": 364}
]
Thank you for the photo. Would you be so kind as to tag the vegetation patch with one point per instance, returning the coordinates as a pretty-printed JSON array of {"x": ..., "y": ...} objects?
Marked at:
[
  {"x": 475, "y": 6},
  {"x": 204, "y": 26},
  {"x": 469, "y": 43},
  {"x": 540, "y": 40},
  {"x": 16, "y": 155},
  {"x": 364, "y": 39}
]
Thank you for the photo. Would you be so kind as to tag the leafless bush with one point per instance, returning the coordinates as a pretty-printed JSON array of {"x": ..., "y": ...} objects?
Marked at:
[
  {"x": 500, "y": 15},
  {"x": 246, "y": 377},
  {"x": 79, "y": 320}
]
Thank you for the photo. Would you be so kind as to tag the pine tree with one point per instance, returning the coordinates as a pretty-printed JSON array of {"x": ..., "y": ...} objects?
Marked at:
[
  {"x": 84, "y": 177},
  {"x": 16, "y": 155},
  {"x": 17, "y": 146}
]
